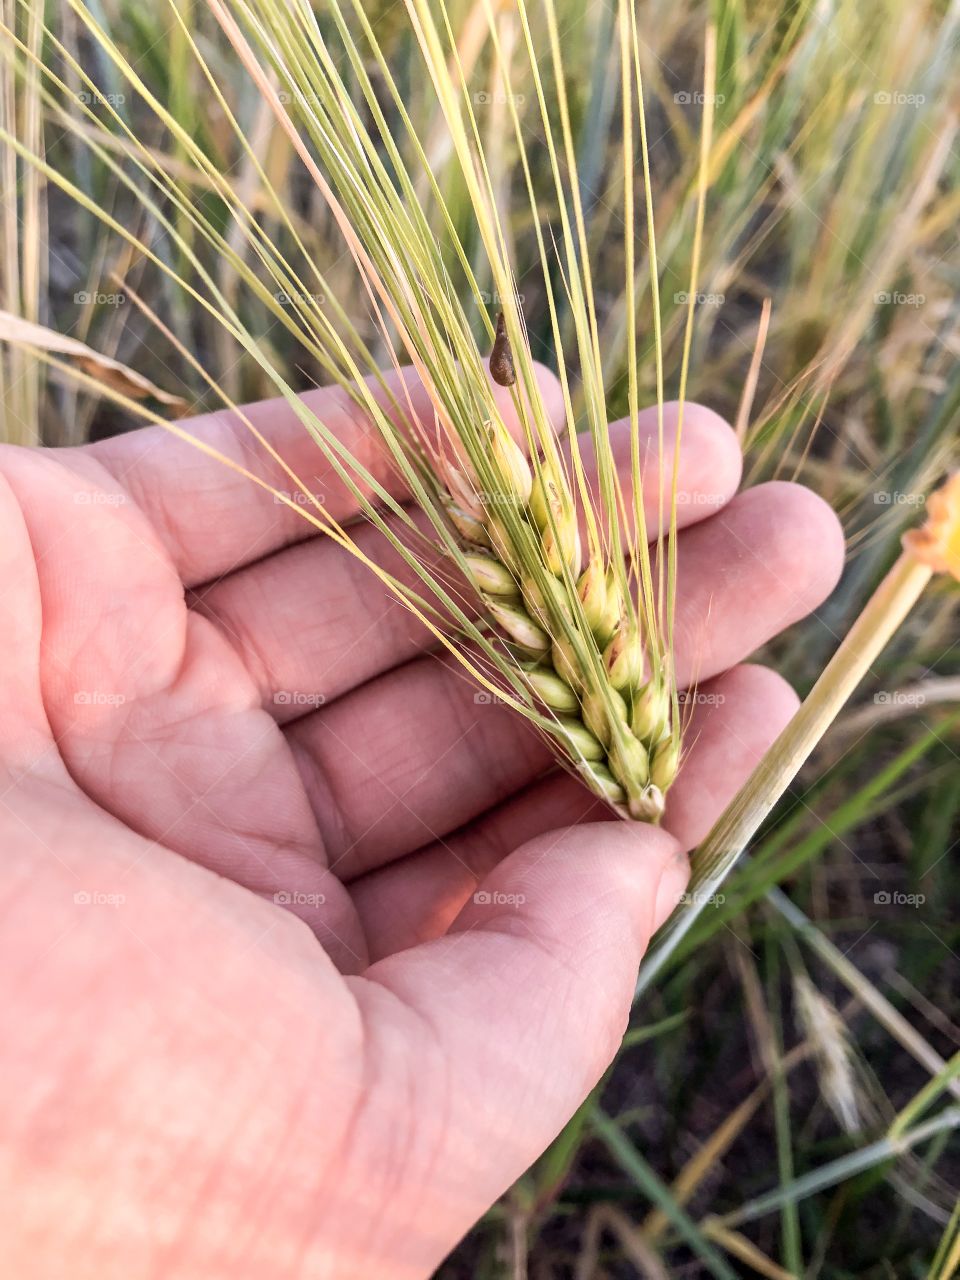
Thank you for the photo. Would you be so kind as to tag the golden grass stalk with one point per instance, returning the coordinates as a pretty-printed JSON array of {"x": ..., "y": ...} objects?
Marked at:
[
  {"x": 934, "y": 548},
  {"x": 23, "y": 227}
]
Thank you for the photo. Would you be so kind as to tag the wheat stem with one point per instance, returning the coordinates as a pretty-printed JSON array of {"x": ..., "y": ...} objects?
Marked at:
[{"x": 883, "y": 614}]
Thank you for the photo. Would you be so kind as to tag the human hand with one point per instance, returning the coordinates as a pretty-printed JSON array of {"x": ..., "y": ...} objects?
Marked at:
[{"x": 196, "y": 1082}]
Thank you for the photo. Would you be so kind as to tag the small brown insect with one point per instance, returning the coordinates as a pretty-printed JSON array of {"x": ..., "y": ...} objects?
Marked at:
[{"x": 501, "y": 357}]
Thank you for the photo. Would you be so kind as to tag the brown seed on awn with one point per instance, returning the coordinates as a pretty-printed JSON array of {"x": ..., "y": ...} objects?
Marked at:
[{"x": 501, "y": 357}]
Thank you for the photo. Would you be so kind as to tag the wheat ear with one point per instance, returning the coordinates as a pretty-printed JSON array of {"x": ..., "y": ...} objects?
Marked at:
[{"x": 574, "y": 634}]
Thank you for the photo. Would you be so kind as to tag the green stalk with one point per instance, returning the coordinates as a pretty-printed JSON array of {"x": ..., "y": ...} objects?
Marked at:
[
  {"x": 927, "y": 1095},
  {"x": 846, "y": 1167},
  {"x": 947, "y": 1258}
]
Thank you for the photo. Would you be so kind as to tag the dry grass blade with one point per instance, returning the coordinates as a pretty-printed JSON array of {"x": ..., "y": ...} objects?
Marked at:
[
  {"x": 26, "y": 336},
  {"x": 745, "y": 1251},
  {"x": 604, "y": 1218}
]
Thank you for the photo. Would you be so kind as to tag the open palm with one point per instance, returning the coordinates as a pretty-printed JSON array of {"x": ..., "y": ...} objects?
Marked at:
[{"x": 195, "y": 1080}]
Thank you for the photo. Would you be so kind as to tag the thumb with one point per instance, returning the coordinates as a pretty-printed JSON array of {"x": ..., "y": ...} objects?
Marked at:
[
  {"x": 557, "y": 932},
  {"x": 526, "y": 999}
]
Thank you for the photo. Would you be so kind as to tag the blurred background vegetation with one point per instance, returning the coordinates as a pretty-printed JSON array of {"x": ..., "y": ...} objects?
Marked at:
[{"x": 752, "y": 1123}]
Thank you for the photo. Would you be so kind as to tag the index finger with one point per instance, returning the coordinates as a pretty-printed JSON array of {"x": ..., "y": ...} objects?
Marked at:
[{"x": 212, "y": 520}]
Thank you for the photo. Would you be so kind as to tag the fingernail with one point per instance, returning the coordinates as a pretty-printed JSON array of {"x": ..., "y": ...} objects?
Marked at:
[{"x": 671, "y": 888}]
